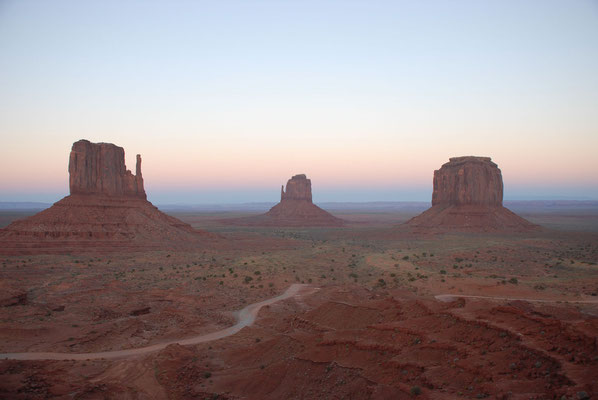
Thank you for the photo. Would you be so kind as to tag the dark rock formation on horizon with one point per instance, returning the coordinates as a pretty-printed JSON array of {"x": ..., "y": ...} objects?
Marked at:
[
  {"x": 295, "y": 209},
  {"x": 107, "y": 210},
  {"x": 467, "y": 196}
]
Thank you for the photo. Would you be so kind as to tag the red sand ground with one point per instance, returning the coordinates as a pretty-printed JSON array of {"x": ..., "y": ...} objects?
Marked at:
[{"x": 373, "y": 329}]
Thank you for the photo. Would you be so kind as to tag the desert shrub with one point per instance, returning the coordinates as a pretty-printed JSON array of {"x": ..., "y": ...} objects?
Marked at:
[
  {"x": 514, "y": 281},
  {"x": 415, "y": 390}
]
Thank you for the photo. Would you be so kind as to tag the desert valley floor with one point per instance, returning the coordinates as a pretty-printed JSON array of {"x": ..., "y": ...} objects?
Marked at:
[{"x": 372, "y": 319}]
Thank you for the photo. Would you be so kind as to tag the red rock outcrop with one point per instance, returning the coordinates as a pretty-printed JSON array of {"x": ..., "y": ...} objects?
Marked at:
[
  {"x": 295, "y": 209},
  {"x": 467, "y": 196},
  {"x": 99, "y": 168},
  {"x": 298, "y": 188},
  {"x": 106, "y": 210},
  {"x": 468, "y": 181}
]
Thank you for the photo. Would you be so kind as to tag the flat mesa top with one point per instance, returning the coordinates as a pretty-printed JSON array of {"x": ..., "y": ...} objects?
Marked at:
[
  {"x": 96, "y": 143},
  {"x": 299, "y": 176},
  {"x": 465, "y": 159}
]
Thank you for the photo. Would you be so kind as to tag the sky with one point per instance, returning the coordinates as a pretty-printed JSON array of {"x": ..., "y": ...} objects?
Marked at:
[{"x": 226, "y": 100}]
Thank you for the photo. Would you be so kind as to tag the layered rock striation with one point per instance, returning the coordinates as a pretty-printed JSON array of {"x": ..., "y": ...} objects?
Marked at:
[
  {"x": 106, "y": 210},
  {"x": 295, "y": 209},
  {"x": 467, "y": 196}
]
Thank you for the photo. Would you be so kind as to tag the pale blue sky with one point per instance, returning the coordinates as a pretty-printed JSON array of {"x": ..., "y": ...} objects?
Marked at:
[{"x": 226, "y": 100}]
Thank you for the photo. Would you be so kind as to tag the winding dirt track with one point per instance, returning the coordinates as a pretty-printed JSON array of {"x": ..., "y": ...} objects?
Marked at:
[
  {"x": 450, "y": 297},
  {"x": 245, "y": 317}
]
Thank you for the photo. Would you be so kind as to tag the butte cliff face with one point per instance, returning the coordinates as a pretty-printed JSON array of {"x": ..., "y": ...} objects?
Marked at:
[
  {"x": 467, "y": 196},
  {"x": 298, "y": 188},
  {"x": 295, "y": 209},
  {"x": 468, "y": 181},
  {"x": 106, "y": 210},
  {"x": 99, "y": 169}
]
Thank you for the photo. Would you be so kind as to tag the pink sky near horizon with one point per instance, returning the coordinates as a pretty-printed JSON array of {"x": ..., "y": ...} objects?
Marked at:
[
  {"x": 225, "y": 101},
  {"x": 181, "y": 170}
]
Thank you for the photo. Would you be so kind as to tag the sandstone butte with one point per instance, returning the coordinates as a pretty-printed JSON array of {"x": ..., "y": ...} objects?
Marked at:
[
  {"x": 467, "y": 196},
  {"x": 107, "y": 209},
  {"x": 295, "y": 209}
]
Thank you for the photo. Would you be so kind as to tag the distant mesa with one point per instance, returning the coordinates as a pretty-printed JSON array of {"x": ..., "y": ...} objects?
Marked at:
[
  {"x": 106, "y": 210},
  {"x": 295, "y": 209},
  {"x": 467, "y": 196}
]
